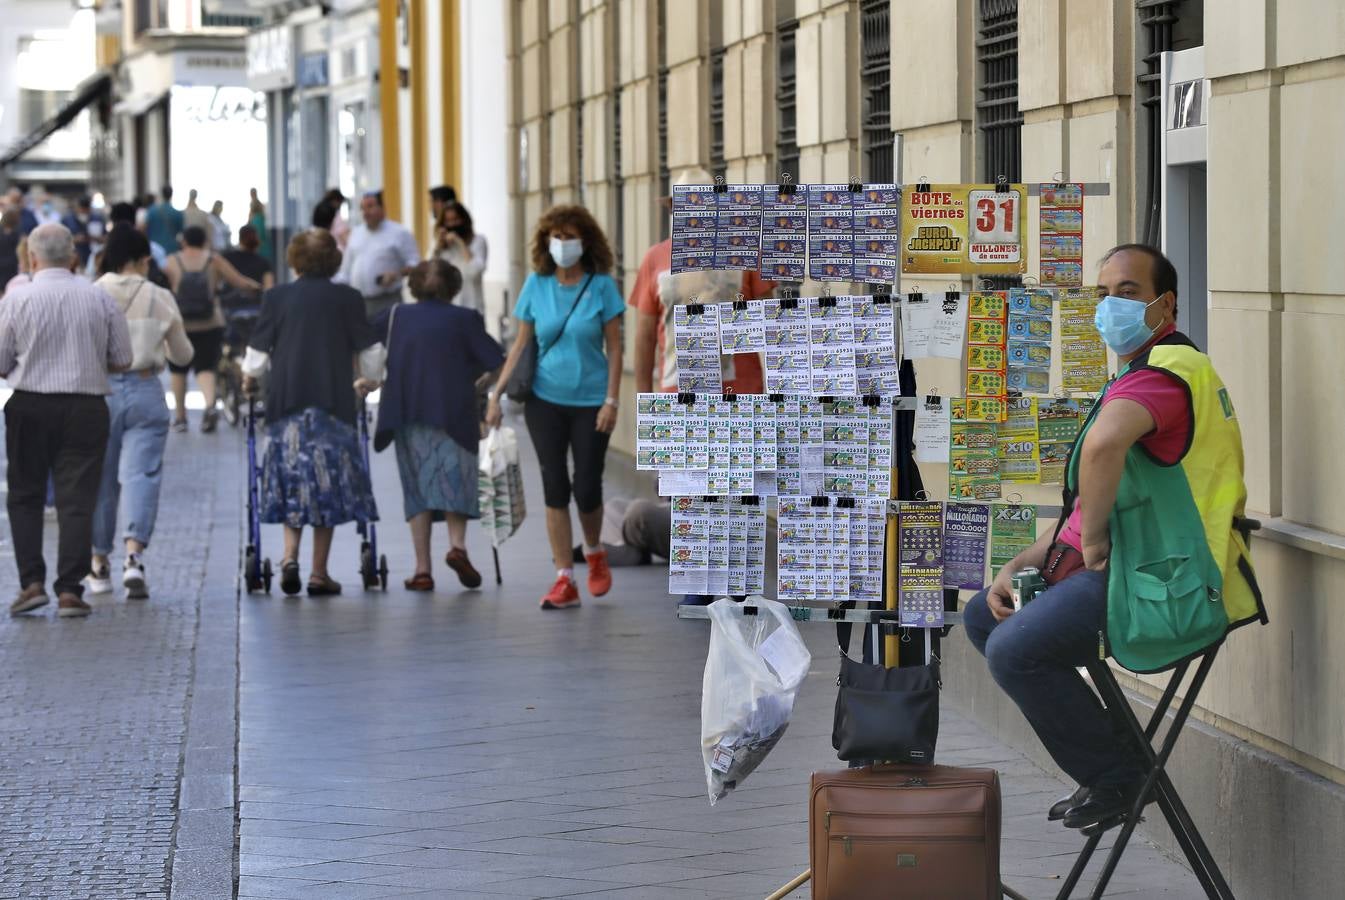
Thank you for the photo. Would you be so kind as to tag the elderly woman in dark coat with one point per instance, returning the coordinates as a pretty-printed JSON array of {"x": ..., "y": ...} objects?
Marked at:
[
  {"x": 436, "y": 354},
  {"x": 314, "y": 338}
]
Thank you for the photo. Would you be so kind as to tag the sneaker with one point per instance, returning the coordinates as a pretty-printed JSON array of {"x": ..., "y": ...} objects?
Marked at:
[
  {"x": 68, "y": 606},
  {"x": 599, "y": 573},
  {"x": 99, "y": 581},
  {"x": 30, "y": 598},
  {"x": 467, "y": 574},
  {"x": 564, "y": 594},
  {"x": 180, "y": 426},
  {"x": 133, "y": 578},
  {"x": 209, "y": 421}
]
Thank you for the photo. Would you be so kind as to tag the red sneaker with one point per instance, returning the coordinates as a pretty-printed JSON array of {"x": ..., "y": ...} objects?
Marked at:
[
  {"x": 599, "y": 573},
  {"x": 563, "y": 594}
]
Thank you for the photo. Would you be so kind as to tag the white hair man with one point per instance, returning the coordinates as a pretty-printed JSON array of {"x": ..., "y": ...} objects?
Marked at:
[{"x": 59, "y": 338}]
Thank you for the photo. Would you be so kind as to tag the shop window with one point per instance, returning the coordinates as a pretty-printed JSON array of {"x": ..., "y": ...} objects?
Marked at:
[
  {"x": 718, "y": 166},
  {"x": 1164, "y": 25},
  {"x": 997, "y": 114},
  {"x": 786, "y": 100},
  {"x": 875, "y": 18}
]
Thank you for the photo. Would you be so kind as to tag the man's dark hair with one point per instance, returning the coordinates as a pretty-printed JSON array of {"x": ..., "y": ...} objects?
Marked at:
[
  {"x": 194, "y": 236},
  {"x": 443, "y": 193},
  {"x": 377, "y": 195},
  {"x": 1164, "y": 272},
  {"x": 324, "y": 214},
  {"x": 122, "y": 213},
  {"x": 248, "y": 238},
  {"x": 167, "y": 193}
]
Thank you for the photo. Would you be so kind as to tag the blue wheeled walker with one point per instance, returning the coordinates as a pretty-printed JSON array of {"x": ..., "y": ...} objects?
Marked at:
[
  {"x": 256, "y": 570},
  {"x": 373, "y": 567}
]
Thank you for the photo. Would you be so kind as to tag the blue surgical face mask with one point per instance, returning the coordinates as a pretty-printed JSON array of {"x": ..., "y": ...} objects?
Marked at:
[
  {"x": 1121, "y": 323},
  {"x": 566, "y": 252}
]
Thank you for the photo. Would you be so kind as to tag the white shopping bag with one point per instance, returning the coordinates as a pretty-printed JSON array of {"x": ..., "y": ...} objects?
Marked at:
[
  {"x": 752, "y": 674},
  {"x": 500, "y": 483}
]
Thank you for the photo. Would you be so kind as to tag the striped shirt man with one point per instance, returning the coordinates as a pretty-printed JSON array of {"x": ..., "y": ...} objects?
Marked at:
[{"x": 61, "y": 335}]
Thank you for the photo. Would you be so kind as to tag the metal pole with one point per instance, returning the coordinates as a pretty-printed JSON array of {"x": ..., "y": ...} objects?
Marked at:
[{"x": 892, "y": 644}]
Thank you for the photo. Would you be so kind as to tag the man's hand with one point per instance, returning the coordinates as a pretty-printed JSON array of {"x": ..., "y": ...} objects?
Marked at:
[
  {"x": 999, "y": 599},
  {"x": 1096, "y": 553}
]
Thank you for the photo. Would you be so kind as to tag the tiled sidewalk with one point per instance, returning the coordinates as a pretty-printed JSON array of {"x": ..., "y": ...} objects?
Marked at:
[{"x": 466, "y": 745}]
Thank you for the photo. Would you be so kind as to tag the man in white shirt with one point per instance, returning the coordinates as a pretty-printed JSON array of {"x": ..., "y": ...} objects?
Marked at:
[{"x": 377, "y": 257}]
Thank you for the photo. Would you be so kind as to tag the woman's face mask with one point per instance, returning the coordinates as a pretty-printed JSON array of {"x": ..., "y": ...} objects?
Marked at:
[
  {"x": 566, "y": 251},
  {"x": 1121, "y": 323}
]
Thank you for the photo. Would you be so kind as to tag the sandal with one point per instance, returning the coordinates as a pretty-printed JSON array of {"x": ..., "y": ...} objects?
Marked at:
[
  {"x": 467, "y": 574},
  {"x": 421, "y": 581},
  {"x": 323, "y": 586},
  {"x": 289, "y": 578}
]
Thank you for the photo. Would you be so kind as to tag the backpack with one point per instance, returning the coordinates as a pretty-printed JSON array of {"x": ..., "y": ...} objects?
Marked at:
[{"x": 195, "y": 293}]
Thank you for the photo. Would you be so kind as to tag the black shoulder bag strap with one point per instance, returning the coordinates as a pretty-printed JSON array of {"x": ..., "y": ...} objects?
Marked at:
[{"x": 566, "y": 320}]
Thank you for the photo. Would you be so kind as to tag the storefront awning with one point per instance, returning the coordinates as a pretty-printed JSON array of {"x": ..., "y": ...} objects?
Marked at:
[{"x": 87, "y": 92}]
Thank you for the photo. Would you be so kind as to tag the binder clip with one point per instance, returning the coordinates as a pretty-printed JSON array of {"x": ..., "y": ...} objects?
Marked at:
[
  {"x": 749, "y": 610},
  {"x": 686, "y": 398},
  {"x": 751, "y": 500},
  {"x": 709, "y": 499},
  {"x": 826, "y": 301},
  {"x": 800, "y": 613},
  {"x": 922, "y": 186},
  {"x": 835, "y": 613},
  {"x": 818, "y": 502},
  {"x": 1002, "y": 184},
  {"x": 695, "y": 309},
  {"x": 950, "y": 299},
  {"x": 882, "y": 297},
  {"x": 856, "y": 187},
  {"x": 787, "y": 186},
  {"x": 789, "y": 299},
  {"x": 720, "y": 187},
  {"x": 1060, "y": 180},
  {"x": 915, "y": 297},
  {"x": 871, "y": 400},
  {"x": 826, "y": 401},
  {"x": 729, "y": 397},
  {"x": 739, "y": 302},
  {"x": 845, "y": 502},
  {"x": 776, "y": 398},
  {"x": 933, "y": 401}
]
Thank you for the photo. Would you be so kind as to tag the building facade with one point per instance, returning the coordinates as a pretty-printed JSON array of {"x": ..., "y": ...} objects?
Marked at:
[{"x": 611, "y": 99}]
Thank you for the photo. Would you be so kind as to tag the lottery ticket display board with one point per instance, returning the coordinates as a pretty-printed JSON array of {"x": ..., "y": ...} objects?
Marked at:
[{"x": 964, "y": 229}]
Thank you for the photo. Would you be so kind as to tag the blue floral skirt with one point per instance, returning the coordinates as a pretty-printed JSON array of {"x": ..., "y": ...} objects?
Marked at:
[
  {"x": 438, "y": 473},
  {"x": 313, "y": 473}
]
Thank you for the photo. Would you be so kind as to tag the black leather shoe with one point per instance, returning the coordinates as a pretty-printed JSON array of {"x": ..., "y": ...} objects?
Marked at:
[
  {"x": 290, "y": 583},
  {"x": 1102, "y": 804},
  {"x": 1065, "y": 804}
]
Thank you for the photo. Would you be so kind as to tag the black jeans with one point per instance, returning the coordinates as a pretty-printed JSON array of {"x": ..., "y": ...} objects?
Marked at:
[
  {"x": 556, "y": 432},
  {"x": 1035, "y": 655},
  {"x": 64, "y": 437}
]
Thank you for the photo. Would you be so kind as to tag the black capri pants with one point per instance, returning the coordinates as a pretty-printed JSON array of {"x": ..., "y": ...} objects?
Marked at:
[{"x": 556, "y": 432}]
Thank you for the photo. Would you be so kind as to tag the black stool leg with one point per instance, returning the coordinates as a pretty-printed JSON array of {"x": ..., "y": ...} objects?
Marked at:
[{"x": 1198, "y": 854}]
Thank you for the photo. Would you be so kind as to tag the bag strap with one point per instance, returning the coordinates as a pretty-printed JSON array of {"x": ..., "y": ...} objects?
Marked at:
[{"x": 566, "y": 320}]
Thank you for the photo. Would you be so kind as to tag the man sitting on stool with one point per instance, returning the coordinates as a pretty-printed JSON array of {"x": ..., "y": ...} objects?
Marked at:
[{"x": 1165, "y": 421}]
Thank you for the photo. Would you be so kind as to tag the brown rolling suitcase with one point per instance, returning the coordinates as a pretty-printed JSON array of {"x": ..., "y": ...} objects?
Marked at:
[{"x": 898, "y": 832}]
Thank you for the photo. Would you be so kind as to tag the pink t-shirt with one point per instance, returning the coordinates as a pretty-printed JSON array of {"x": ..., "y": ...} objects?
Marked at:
[{"x": 1166, "y": 400}]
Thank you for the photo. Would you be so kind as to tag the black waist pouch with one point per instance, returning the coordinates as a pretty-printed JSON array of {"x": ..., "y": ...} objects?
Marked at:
[{"x": 886, "y": 715}]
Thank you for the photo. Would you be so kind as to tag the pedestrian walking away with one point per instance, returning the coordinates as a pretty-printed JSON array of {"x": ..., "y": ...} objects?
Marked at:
[
  {"x": 218, "y": 230},
  {"x": 59, "y": 338},
  {"x": 10, "y": 238},
  {"x": 138, "y": 414},
  {"x": 378, "y": 256},
  {"x": 307, "y": 335},
  {"x": 164, "y": 222},
  {"x": 572, "y": 308},
  {"x": 257, "y": 219},
  {"x": 195, "y": 275},
  {"x": 458, "y": 243},
  {"x": 437, "y": 351},
  {"x": 249, "y": 262},
  {"x": 195, "y": 217}
]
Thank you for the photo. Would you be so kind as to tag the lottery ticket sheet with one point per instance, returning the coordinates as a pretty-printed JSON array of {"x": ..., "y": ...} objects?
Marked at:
[
  {"x": 742, "y": 455},
  {"x": 1017, "y": 443},
  {"x": 1013, "y": 528},
  {"x": 812, "y": 445},
  {"x": 1061, "y": 243},
  {"x": 696, "y": 333},
  {"x": 795, "y": 541},
  {"x": 966, "y": 532},
  {"x": 973, "y": 457},
  {"x": 695, "y": 216},
  {"x": 1058, "y": 423},
  {"x": 877, "y": 365},
  {"x": 660, "y": 432},
  {"x": 1029, "y": 343},
  {"x": 753, "y": 513},
  {"x": 845, "y": 453},
  {"x": 784, "y": 234},
  {"x": 832, "y": 345},
  {"x": 689, "y": 551},
  {"x": 949, "y": 325},
  {"x": 1083, "y": 357},
  {"x": 765, "y": 441},
  {"x": 876, "y": 513},
  {"x": 877, "y": 233},
  {"x": 742, "y": 326},
  {"x": 719, "y": 432},
  {"x": 986, "y": 329},
  {"x": 788, "y": 446},
  {"x": 881, "y": 425},
  {"x": 831, "y": 232},
  {"x": 717, "y": 574},
  {"x": 788, "y": 347},
  {"x": 920, "y": 564},
  {"x": 738, "y": 228}
]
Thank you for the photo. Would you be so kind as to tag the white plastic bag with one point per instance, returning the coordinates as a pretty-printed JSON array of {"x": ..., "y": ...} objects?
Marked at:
[
  {"x": 752, "y": 674},
  {"x": 500, "y": 484}
]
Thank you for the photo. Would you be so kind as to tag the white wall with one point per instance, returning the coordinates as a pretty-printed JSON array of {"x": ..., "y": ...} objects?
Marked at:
[
  {"x": 71, "y": 61},
  {"x": 484, "y": 188}
]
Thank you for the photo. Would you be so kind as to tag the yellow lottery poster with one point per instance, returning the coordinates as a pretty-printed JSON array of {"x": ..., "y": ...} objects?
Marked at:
[{"x": 964, "y": 228}]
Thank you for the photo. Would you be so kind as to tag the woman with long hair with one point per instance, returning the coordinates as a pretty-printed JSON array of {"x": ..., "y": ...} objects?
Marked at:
[
  {"x": 572, "y": 308},
  {"x": 458, "y": 244}
]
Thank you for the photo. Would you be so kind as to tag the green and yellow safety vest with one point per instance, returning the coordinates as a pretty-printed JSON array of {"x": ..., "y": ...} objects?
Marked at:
[{"x": 1180, "y": 575}]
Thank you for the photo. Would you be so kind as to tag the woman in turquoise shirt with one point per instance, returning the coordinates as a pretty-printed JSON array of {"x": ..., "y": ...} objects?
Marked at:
[{"x": 573, "y": 308}]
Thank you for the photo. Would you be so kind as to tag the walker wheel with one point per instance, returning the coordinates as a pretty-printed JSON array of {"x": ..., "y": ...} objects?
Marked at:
[
  {"x": 368, "y": 571},
  {"x": 383, "y": 573},
  {"x": 267, "y": 574},
  {"x": 251, "y": 579}
]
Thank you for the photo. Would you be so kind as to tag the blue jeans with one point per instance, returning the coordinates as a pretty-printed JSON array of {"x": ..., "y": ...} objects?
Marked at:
[
  {"x": 133, "y": 465},
  {"x": 1034, "y": 656}
]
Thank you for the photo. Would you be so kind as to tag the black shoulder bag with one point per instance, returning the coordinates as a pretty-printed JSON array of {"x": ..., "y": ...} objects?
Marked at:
[
  {"x": 886, "y": 715},
  {"x": 519, "y": 386}
]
